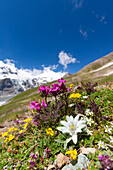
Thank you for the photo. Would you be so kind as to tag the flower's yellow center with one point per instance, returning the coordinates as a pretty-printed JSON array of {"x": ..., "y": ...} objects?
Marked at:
[{"x": 72, "y": 127}]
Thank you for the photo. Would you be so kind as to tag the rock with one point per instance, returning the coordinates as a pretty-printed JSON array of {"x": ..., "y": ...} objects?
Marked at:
[
  {"x": 61, "y": 160},
  {"x": 82, "y": 163},
  {"x": 67, "y": 75},
  {"x": 87, "y": 150}
]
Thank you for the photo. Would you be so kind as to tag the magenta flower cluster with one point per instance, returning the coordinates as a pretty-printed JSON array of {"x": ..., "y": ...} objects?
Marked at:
[
  {"x": 32, "y": 161},
  {"x": 37, "y": 106},
  {"x": 56, "y": 88},
  {"x": 105, "y": 161}
]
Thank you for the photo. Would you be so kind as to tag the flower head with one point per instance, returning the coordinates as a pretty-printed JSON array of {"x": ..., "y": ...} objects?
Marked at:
[
  {"x": 105, "y": 161},
  {"x": 4, "y": 134},
  {"x": 101, "y": 144},
  {"x": 49, "y": 131},
  {"x": 75, "y": 95},
  {"x": 73, "y": 153},
  {"x": 70, "y": 86},
  {"x": 11, "y": 128},
  {"x": 107, "y": 129},
  {"x": 35, "y": 105},
  {"x": 11, "y": 137},
  {"x": 72, "y": 126},
  {"x": 61, "y": 80},
  {"x": 43, "y": 104}
]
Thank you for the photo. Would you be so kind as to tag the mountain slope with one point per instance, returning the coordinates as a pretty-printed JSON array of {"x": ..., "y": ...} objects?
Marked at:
[{"x": 99, "y": 70}]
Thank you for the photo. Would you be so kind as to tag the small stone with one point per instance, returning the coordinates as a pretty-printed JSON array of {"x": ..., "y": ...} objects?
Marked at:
[
  {"x": 61, "y": 160},
  {"x": 87, "y": 150}
]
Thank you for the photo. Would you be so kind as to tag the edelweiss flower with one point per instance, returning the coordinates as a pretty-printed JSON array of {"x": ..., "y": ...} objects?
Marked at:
[{"x": 72, "y": 126}]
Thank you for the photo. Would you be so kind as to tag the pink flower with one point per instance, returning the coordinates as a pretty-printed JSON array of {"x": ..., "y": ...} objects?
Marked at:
[
  {"x": 35, "y": 105},
  {"x": 43, "y": 104},
  {"x": 38, "y": 106},
  {"x": 62, "y": 80},
  {"x": 32, "y": 105},
  {"x": 68, "y": 89},
  {"x": 44, "y": 90}
]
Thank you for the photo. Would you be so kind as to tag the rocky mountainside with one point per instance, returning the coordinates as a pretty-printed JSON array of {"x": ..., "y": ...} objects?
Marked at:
[
  {"x": 100, "y": 69},
  {"x": 14, "y": 81}
]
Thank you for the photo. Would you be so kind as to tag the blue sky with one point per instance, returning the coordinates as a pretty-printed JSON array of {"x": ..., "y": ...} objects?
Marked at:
[{"x": 65, "y": 34}]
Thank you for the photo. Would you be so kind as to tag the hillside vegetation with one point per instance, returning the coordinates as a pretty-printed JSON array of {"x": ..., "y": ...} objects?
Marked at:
[{"x": 67, "y": 127}]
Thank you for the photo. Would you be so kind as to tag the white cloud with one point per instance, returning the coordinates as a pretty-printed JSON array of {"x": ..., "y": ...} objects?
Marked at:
[
  {"x": 77, "y": 3},
  {"x": 84, "y": 33},
  {"x": 24, "y": 74},
  {"x": 54, "y": 67},
  {"x": 65, "y": 59}
]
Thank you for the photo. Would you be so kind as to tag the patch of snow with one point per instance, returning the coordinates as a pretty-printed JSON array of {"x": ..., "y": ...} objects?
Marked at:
[
  {"x": 111, "y": 72},
  {"x": 106, "y": 65}
]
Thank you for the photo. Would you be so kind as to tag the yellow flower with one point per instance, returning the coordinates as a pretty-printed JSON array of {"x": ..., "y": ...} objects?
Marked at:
[
  {"x": 28, "y": 120},
  {"x": 25, "y": 126},
  {"x": 6, "y": 139},
  {"x": 15, "y": 129},
  {"x": 71, "y": 85},
  {"x": 21, "y": 131},
  {"x": 11, "y": 128},
  {"x": 75, "y": 95},
  {"x": 50, "y": 131},
  {"x": 4, "y": 134},
  {"x": 73, "y": 153},
  {"x": 11, "y": 137}
]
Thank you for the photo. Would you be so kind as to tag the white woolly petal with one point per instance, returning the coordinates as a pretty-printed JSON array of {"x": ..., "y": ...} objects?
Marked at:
[
  {"x": 70, "y": 119},
  {"x": 68, "y": 140},
  {"x": 76, "y": 119},
  {"x": 81, "y": 125},
  {"x": 64, "y": 123},
  {"x": 74, "y": 138},
  {"x": 63, "y": 129}
]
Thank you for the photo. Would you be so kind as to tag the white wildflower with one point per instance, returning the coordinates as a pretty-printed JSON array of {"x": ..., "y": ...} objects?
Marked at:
[
  {"x": 89, "y": 132},
  {"x": 90, "y": 121},
  {"x": 111, "y": 139},
  {"x": 85, "y": 97},
  {"x": 72, "y": 126},
  {"x": 101, "y": 145},
  {"x": 107, "y": 129},
  {"x": 71, "y": 105}
]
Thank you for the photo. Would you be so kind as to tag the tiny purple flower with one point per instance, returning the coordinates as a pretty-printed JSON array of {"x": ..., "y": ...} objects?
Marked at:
[
  {"x": 100, "y": 157},
  {"x": 107, "y": 82}
]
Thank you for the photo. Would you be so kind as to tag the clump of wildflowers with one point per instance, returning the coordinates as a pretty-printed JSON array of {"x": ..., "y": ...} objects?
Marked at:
[
  {"x": 105, "y": 161},
  {"x": 32, "y": 160}
]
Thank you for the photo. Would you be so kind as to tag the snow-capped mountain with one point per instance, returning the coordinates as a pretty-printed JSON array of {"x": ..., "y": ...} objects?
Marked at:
[{"x": 14, "y": 80}]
